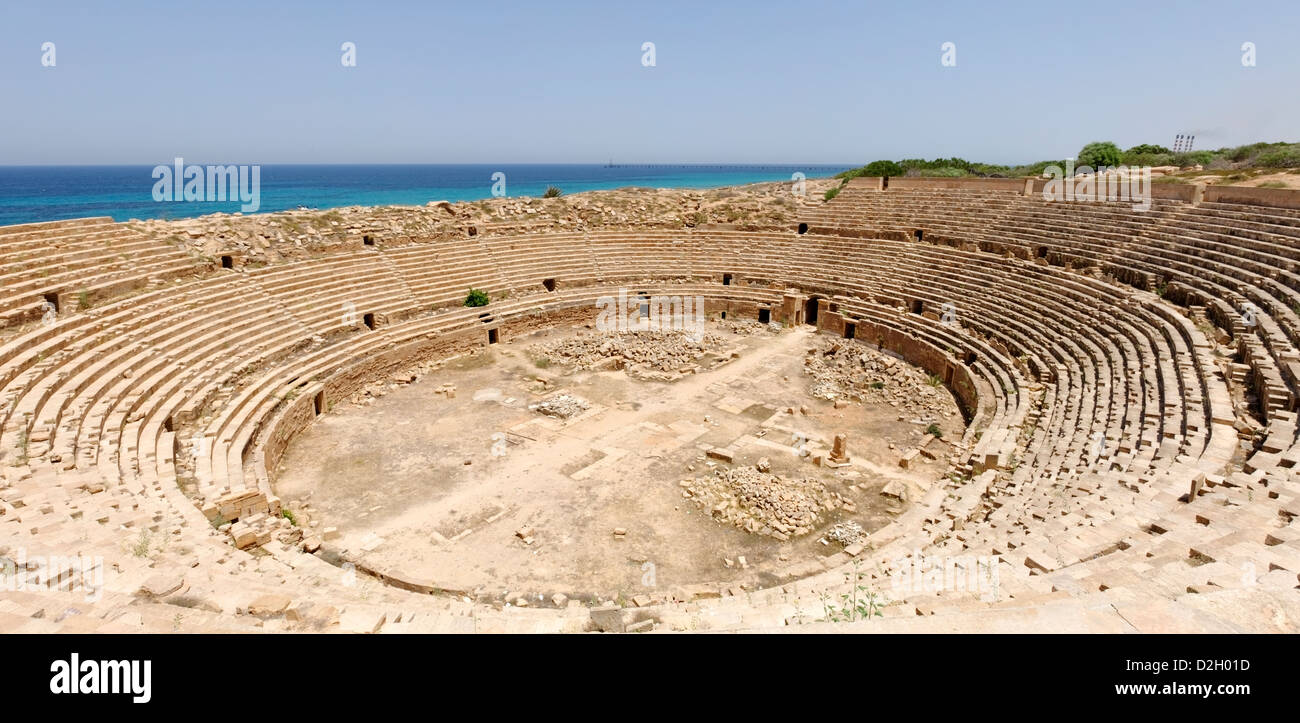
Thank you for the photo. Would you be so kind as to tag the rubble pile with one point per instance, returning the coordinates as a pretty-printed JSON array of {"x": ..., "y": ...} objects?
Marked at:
[
  {"x": 748, "y": 327},
  {"x": 562, "y": 406},
  {"x": 843, "y": 369},
  {"x": 664, "y": 351},
  {"x": 845, "y": 533},
  {"x": 762, "y": 503}
]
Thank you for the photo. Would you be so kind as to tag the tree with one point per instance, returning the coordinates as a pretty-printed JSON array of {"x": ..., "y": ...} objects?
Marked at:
[
  {"x": 1098, "y": 154},
  {"x": 883, "y": 168}
]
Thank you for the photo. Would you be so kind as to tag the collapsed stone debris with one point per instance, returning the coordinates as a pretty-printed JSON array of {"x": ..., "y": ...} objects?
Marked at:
[
  {"x": 562, "y": 406},
  {"x": 748, "y": 327},
  {"x": 640, "y": 353},
  {"x": 762, "y": 503},
  {"x": 845, "y": 533},
  {"x": 848, "y": 370}
]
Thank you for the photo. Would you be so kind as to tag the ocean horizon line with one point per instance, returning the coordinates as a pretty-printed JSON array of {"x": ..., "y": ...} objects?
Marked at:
[
  {"x": 661, "y": 164},
  {"x": 32, "y": 194}
]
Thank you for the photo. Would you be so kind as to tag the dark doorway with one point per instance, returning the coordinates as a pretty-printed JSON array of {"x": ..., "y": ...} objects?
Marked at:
[
  {"x": 52, "y": 299},
  {"x": 227, "y": 262},
  {"x": 645, "y": 304},
  {"x": 918, "y": 306},
  {"x": 549, "y": 284},
  {"x": 764, "y": 316},
  {"x": 369, "y": 320},
  {"x": 970, "y": 358},
  {"x": 810, "y": 311},
  {"x": 919, "y": 234},
  {"x": 319, "y": 403},
  {"x": 726, "y": 279},
  {"x": 803, "y": 228},
  {"x": 884, "y": 182},
  {"x": 850, "y": 329},
  {"x": 368, "y": 240},
  {"x": 492, "y": 336},
  {"x": 1042, "y": 252}
]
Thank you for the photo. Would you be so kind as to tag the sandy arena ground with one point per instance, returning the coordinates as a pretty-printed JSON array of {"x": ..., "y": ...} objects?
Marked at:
[{"x": 439, "y": 485}]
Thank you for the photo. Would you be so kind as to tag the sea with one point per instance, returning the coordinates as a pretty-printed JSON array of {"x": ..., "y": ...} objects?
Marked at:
[{"x": 30, "y": 194}]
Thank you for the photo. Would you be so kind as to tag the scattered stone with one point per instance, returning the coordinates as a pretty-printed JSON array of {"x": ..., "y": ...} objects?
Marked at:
[
  {"x": 641, "y": 626},
  {"x": 763, "y": 503},
  {"x": 644, "y": 354},
  {"x": 562, "y": 406},
  {"x": 268, "y": 606},
  {"x": 608, "y": 619},
  {"x": 844, "y": 371},
  {"x": 162, "y": 585},
  {"x": 845, "y": 533},
  {"x": 721, "y": 454},
  {"x": 896, "y": 489}
]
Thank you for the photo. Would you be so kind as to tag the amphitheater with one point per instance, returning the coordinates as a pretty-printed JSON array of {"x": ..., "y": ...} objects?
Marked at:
[{"x": 1124, "y": 459}]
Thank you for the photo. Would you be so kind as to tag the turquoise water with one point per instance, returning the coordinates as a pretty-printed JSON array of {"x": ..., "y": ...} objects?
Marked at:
[{"x": 31, "y": 194}]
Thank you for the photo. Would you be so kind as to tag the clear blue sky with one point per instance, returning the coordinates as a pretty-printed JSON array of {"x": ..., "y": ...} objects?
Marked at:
[{"x": 555, "y": 82}]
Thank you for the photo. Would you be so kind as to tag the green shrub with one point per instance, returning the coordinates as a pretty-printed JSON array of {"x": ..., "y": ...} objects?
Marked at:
[
  {"x": 1134, "y": 159},
  {"x": 1098, "y": 154},
  {"x": 875, "y": 168},
  {"x": 552, "y": 192},
  {"x": 1033, "y": 169},
  {"x": 934, "y": 429},
  {"x": 1247, "y": 152},
  {"x": 883, "y": 168},
  {"x": 1147, "y": 148},
  {"x": 477, "y": 297},
  {"x": 951, "y": 167},
  {"x": 946, "y": 172},
  {"x": 832, "y": 193},
  {"x": 1192, "y": 158},
  {"x": 1280, "y": 158}
]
